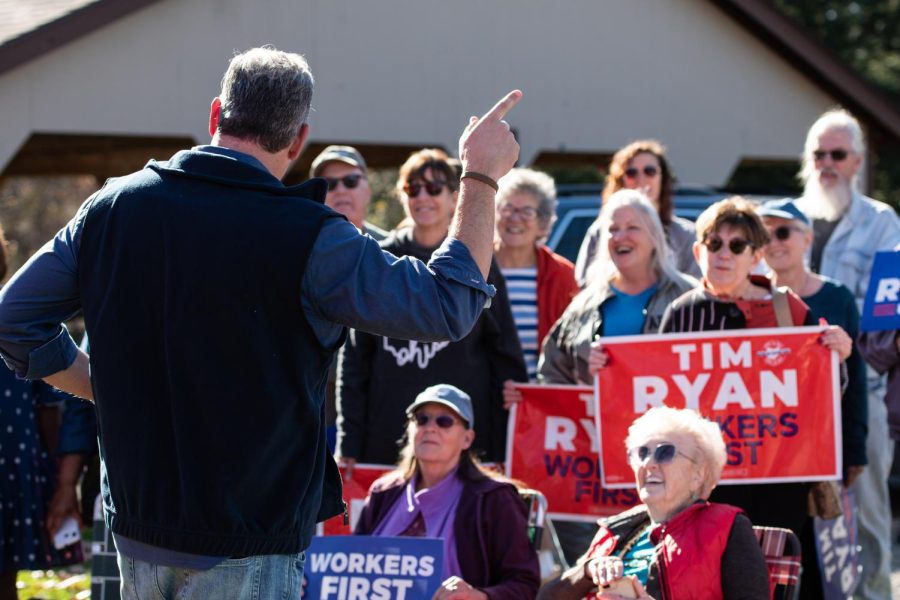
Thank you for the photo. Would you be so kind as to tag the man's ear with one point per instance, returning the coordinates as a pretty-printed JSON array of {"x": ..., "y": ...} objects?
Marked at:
[
  {"x": 299, "y": 142},
  {"x": 215, "y": 111}
]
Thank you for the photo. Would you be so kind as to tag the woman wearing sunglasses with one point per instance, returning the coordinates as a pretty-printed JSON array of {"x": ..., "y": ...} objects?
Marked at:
[
  {"x": 730, "y": 242},
  {"x": 676, "y": 544},
  {"x": 790, "y": 237},
  {"x": 642, "y": 165},
  {"x": 439, "y": 490},
  {"x": 378, "y": 377}
]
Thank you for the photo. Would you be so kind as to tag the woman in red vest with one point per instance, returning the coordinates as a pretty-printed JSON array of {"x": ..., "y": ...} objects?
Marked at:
[{"x": 676, "y": 544}]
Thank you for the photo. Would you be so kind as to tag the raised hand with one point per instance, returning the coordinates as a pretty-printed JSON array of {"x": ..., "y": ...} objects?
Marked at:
[{"x": 487, "y": 146}]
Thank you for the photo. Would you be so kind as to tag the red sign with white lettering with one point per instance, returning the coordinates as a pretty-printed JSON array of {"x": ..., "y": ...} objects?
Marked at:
[
  {"x": 553, "y": 447},
  {"x": 774, "y": 392}
]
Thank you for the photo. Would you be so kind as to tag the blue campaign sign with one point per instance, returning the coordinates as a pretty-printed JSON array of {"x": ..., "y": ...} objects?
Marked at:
[
  {"x": 347, "y": 567},
  {"x": 882, "y": 307}
]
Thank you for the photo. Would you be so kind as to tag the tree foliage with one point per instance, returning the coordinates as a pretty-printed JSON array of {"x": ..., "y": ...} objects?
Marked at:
[{"x": 864, "y": 34}]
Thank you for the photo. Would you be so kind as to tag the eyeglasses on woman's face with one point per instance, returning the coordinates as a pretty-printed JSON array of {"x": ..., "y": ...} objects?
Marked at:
[
  {"x": 526, "y": 213},
  {"x": 648, "y": 170},
  {"x": 662, "y": 454},
  {"x": 783, "y": 232},
  {"x": 737, "y": 246},
  {"x": 433, "y": 188},
  {"x": 422, "y": 419}
]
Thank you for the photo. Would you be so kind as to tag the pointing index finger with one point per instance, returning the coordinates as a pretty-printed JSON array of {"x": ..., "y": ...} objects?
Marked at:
[{"x": 500, "y": 109}]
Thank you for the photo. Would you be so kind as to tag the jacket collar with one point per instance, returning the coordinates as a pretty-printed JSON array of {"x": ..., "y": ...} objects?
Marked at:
[{"x": 227, "y": 170}]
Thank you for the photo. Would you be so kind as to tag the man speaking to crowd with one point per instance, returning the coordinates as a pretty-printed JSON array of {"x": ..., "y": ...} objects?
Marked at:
[{"x": 215, "y": 297}]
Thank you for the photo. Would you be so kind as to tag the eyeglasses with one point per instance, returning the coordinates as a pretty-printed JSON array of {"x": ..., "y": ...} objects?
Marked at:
[
  {"x": 349, "y": 181},
  {"x": 736, "y": 245},
  {"x": 434, "y": 188},
  {"x": 836, "y": 155},
  {"x": 443, "y": 421},
  {"x": 649, "y": 171},
  {"x": 663, "y": 454},
  {"x": 526, "y": 213},
  {"x": 783, "y": 232}
]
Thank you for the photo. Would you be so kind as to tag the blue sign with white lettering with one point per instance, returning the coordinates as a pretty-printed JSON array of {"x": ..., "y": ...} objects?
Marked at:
[
  {"x": 347, "y": 567},
  {"x": 882, "y": 307}
]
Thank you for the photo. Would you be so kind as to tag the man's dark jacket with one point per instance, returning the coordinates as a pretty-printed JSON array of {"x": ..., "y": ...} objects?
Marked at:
[{"x": 208, "y": 379}]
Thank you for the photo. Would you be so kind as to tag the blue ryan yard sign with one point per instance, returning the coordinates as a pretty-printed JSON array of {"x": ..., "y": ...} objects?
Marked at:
[
  {"x": 882, "y": 307},
  {"x": 373, "y": 568}
]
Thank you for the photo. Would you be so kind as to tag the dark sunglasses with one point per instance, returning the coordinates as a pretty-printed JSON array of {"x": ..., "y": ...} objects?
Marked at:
[
  {"x": 736, "y": 245},
  {"x": 783, "y": 232},
  {"x": 663, "y": 454},
  {"x": 649, "y": 171},
  {"x": 443, "y": 421},
  {"x": 349, "y": 181},
  {"x": 836, "y": 155},
  {"x": 434, "y": 188}
]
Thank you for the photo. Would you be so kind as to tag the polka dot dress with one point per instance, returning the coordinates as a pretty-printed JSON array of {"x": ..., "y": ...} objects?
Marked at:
[{"x": 27, "y": 478}]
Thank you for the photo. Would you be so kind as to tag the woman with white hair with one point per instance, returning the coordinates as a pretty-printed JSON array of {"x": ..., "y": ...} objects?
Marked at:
[
  {"x": 676, "y": 544},
  {"x": 633, "y": 281}
]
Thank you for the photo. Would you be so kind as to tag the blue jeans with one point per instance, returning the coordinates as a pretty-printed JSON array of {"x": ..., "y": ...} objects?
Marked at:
[{"x": 269, "y": 577}]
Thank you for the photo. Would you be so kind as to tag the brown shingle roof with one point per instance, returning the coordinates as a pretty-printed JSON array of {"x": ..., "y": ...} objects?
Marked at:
[{"x": 18, "y": 17}]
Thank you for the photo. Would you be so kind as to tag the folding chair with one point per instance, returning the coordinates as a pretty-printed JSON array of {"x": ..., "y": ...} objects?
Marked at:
[
  {"x": 536, "y": 504},
  {"x": 542, "y": 535},
  {"x": 781, "y": 549}
]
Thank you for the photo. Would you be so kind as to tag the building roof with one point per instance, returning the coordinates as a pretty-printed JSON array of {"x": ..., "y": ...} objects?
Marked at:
[
  {"x": 33, "y": 28},
  {"x": 29, "y": 29}
]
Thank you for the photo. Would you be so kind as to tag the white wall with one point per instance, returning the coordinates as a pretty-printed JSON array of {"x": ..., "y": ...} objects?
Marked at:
[{"x": 596, "y": 74}]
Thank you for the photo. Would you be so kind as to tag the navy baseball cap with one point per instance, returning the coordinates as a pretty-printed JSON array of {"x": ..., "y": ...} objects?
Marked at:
[
  {"x": 452, "y": 397},
  {"x": 783, "y": 209}
]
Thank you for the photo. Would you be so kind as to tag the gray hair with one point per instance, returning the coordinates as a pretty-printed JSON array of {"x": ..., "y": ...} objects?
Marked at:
[
  {"x": 540, "y": 185},
  {"x": 706, "y": 434},
  {"x": 834, "y": 119},
  {"x": 603, "y": 270},
  {"x": 265, "y": 97}
]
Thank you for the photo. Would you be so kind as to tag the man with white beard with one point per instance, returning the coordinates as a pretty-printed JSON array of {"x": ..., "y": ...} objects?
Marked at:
[{"x": 849, "y": 228}]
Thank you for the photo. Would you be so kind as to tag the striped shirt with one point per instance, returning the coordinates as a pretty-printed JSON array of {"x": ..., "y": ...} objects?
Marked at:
[{"x": 521, "y": 284}]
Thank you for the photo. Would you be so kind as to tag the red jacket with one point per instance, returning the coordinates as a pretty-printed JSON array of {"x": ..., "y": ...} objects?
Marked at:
[
  {"x": 555, "y": 289},
  {"x": 690, "y": 546}
]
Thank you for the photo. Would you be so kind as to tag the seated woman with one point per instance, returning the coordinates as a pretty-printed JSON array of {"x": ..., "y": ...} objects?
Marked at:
[
  {"x": 676, "y": 544},
  {"x": 439, "y": 490}
]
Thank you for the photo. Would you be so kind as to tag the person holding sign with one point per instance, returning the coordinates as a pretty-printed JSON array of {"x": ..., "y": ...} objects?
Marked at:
[
  {"x": 633, "y": 284},
  {"x": 730, "y": 242},
  {"x": 676, "y": 544},
  {"x": 440, "y": 490}
]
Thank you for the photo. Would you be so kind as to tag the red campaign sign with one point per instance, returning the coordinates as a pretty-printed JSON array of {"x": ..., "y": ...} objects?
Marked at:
[
  {"x": 553, "y": 447},
  {"x": 774, "y": 392},
  {"x": 355, "y": 491}
]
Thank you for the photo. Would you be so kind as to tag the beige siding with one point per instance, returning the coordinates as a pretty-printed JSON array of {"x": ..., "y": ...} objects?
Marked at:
[{"x": 596, "y": 74}]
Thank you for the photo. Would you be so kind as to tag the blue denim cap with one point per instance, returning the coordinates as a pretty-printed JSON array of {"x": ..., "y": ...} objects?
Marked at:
[
  {"x": 783, "y": 209},
  {"x": 451, "y": 397}
]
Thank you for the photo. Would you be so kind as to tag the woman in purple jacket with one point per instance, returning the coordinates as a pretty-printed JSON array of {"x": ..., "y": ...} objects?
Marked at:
[{"x": 439, "y": 490}]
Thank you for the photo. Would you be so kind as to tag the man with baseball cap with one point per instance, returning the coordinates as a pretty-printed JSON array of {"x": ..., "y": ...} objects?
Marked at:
[{"x": 344, "y": 169}]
